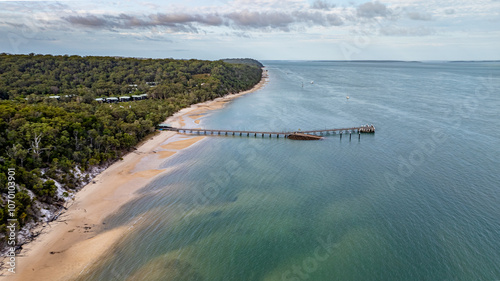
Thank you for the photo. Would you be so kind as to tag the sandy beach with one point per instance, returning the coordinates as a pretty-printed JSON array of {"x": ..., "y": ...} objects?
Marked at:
[{"x": 71, "y": 244}]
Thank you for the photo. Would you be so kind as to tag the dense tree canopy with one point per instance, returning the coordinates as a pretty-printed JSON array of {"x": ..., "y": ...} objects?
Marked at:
[
  {"x": 24, "y": 75},
  {"x": 244, "y": 61},
  {"x": 47, "y": 139}
]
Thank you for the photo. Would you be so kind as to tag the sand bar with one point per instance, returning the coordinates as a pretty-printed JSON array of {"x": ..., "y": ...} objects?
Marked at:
[
  {"x": 71, "y": 244},
  {"x": 181, "y": 144}
]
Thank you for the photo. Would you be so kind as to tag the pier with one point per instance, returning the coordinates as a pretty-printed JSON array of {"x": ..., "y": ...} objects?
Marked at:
[{"x": 353, "y": 130}]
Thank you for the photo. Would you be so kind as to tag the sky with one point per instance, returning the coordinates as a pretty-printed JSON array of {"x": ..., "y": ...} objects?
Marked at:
[{"x": 411, "y": 30}]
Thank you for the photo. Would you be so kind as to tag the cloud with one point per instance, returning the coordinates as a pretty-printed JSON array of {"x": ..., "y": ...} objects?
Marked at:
[
  {"x": 322, "y": 5},
  {"x": 419, "y": 16},
  {"x": 184, "y": 22},
  {"x": 406, "y": 31},
  {"x": 283, "y": 21},
  {"x": 183, "y": 18},
  {"x": 88, "y": 20},
  {"x": 266, "y": 4},
  {"x": 124, "y": 20},
  {"x": 334, "y": 20},
  {"x": 310, "y": 18},
  {"x": 372, "y": 9},
  {"x": 146, "y": 36},
  {"x": 238, "y": 34},
  {"x": 449, "y": 11},
  {"x": 180, "y": 22},
  {"x": 251, "y": 19}
]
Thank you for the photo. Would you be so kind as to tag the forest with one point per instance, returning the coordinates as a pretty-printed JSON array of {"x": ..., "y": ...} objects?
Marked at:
[{"x": 57, "y": 141}]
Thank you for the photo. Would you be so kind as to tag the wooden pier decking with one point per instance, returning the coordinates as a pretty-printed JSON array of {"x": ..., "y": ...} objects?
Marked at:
[{"x": 351, "y": 130}]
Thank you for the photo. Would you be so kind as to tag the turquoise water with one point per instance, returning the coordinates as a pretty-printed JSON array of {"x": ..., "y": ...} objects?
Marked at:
[{"x": 418, "y": 200}]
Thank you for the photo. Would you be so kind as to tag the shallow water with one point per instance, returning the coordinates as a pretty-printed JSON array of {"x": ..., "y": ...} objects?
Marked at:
[{"x": 418, "y": 200}]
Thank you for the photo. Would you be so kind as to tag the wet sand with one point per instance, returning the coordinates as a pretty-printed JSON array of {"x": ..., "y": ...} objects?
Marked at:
[
  {"x": 181, "y": 144},
  {"x": 70, "y": 245},
  {"x": 165, "y": 154}
]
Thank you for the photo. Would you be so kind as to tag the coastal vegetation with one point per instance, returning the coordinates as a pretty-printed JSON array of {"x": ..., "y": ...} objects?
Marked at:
[
  {"x": 244, "y": 61},
  {"x": 57, "y": 144}
]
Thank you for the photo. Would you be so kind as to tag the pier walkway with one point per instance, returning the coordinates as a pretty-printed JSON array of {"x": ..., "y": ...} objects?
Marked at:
[{"x": 352, "y": 130}]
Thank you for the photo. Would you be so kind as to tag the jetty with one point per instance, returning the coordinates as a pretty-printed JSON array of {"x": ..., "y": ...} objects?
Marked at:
[{"x": 302, "y": 135}]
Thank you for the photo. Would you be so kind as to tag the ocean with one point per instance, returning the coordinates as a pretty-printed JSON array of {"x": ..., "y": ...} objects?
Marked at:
[{"x": 417, "y": 200}]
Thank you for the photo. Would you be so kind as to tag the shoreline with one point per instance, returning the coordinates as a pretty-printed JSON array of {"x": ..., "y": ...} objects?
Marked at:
[{"x": 68, "y": 246}]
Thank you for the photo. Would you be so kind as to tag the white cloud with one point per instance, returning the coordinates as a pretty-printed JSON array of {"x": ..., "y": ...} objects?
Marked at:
[
  {"x": 406, "y": 31},
  {"x": 419, "y": 16},
  {"x": 373, "y": 9},
  {"x": 322, "y": 5}
]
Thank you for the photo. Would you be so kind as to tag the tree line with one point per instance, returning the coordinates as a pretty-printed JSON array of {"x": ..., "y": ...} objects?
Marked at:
[{"x": 47, "y": 140}]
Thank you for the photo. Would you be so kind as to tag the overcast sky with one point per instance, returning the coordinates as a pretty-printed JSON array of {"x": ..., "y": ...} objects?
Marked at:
[{"x": 261, "y": 29}]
